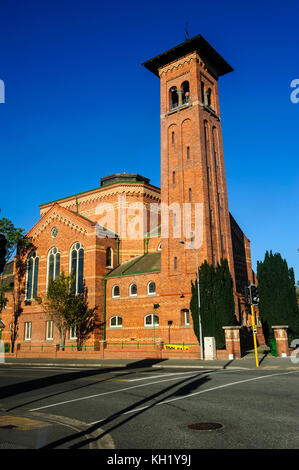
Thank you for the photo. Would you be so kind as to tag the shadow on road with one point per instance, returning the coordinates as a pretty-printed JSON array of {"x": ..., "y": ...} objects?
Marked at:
[
  {"x": 61, "y": 378},
  {"x": 185, "y": 388}
]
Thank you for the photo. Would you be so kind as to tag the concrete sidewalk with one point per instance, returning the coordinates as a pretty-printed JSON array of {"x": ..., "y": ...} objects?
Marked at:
[{"x": 266, "y": 361}]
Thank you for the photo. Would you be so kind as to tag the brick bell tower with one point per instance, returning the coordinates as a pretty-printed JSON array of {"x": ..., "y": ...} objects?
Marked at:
[{"x": 192, "y": 162}]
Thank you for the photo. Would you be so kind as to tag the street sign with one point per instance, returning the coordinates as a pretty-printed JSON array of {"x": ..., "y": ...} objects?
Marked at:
[{"x": 176, "y": 347}]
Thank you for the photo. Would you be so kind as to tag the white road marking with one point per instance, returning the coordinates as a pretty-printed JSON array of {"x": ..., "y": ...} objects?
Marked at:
[
  {"x": 206, "y": 371},
  {"x": 157, "y": 382},
  {"x": 196, "y": 393},
  {"x": 166, "y": 375},
  {"x": 108, "y": 393}
]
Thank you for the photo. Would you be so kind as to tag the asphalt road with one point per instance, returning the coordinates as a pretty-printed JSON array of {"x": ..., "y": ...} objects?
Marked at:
[{"x": 146, "y": 408}]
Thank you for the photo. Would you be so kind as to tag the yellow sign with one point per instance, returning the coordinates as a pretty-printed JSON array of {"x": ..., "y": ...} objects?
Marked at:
[{"x": 176, "y": 347}]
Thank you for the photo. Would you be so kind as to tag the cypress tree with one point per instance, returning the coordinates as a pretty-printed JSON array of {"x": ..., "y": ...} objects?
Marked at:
[
  {"x": 194, "y": 309},
  {"x": 216, "y": 301},
  {"x": 277, "y": 293},
  {"x": 224, "y": 301},
  {"x": 207, "y": 310}
]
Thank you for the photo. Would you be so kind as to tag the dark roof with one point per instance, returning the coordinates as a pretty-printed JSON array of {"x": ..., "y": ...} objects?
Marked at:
[
  {"x": 150, "y": 262},
  {"x": 8, "y": 281},
  {"x": 123, "y": 178},
  {"x": 8, "y": 268},
  {"x": 197, "y": 43}
]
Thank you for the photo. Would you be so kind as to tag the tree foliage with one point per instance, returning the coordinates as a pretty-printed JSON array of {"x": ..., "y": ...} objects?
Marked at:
[
  {"x": 277, "y": 292},
  {"x": 12, "y": 234},
  {"x": 24, "y": 247},
  {"x": 217, "y": 308},
  {"x": 68, "y": 309},
  {"x": 81, "y": 316}
]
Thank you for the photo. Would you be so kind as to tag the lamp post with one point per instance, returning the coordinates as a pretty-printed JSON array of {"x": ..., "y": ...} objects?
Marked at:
[{"x": 198, "y": 298}]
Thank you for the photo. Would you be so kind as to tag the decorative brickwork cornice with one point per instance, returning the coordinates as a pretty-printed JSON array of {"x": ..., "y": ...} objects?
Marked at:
[
  {"x": 178, "y": 63},
  {"x": 104, "y": 194},
  {"x": 62, "y": 215}
]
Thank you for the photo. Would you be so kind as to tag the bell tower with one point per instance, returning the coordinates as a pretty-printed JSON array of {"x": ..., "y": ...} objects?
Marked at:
[{"x": 192, "y": 163}]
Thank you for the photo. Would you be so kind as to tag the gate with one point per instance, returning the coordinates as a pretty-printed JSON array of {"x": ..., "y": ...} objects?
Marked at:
[{"x": 246, "y": 340}]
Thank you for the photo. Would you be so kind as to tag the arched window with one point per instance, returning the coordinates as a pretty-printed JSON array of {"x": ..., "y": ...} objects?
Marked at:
[
  {"x": 32, "y": 276},
  {"x": 49, "y": 329},
  {"x": 185, "y": 92},
  {"x": 115, "y": 291},
  {"x": 73, "y": 332},
  {"x": 76, "y": 266},
  {"x": 185, "y": 317},
  {"x": 203, "y": 93},
  {"x": 175, "y": 263},
  {"x": 173, "y": 177},
  {"x": 151, "y": 320},
  {"x": 209, "y": 97},
  {"x": 53, "y": 264},
  {"x": 109, "y": 258},
  {"x": 190, "y": 194},
  {"x": 116, "y": 322},
  {"x": 133, "y": 290},
  {"x": 174, "y": 97},
  {"x": 151, "y": 288},
  {"x": 160, "y": 246}
]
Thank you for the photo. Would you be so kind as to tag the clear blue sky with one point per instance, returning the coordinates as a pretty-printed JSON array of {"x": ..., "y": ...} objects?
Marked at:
[{"x": 80, "y": 106}]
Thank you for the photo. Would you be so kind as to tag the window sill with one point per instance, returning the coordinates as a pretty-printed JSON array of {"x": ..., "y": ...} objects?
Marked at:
[
  {"x": 185, "y": 326},
  {"x": 211, "y": 111},
  {"x": 178, "y": 108},
  {"x": 115, "y": 328},
  {"x": 151, "y": 327}
]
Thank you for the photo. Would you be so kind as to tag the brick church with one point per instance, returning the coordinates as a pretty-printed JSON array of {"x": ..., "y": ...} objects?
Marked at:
[{"x": 138, "y": 273}]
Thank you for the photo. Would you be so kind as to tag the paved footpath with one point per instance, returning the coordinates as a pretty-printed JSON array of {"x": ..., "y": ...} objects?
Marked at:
[{"x": 266, "y": 361}]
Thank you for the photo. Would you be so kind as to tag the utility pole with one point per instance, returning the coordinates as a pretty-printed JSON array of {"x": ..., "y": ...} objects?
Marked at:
[{"x": 254, "y": 300}]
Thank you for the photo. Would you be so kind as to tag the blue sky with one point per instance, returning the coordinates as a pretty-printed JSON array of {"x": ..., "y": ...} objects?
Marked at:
[{"x": 80, "y": 106}]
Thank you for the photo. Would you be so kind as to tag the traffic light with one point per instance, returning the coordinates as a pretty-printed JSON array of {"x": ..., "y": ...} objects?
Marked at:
[
  {"x": 3, "y": 243},
  {"x": 254, "y": 296}
]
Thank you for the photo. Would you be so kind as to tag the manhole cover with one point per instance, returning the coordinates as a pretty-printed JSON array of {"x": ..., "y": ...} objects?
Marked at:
[{"x": 205, "y": 426}]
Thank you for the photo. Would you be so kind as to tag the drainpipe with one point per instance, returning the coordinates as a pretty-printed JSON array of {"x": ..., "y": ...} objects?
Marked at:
[
  {"x": 104, "y": 310},
  {"x": 117, "y": 259},
  {"x": 146, "y": 245}
]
